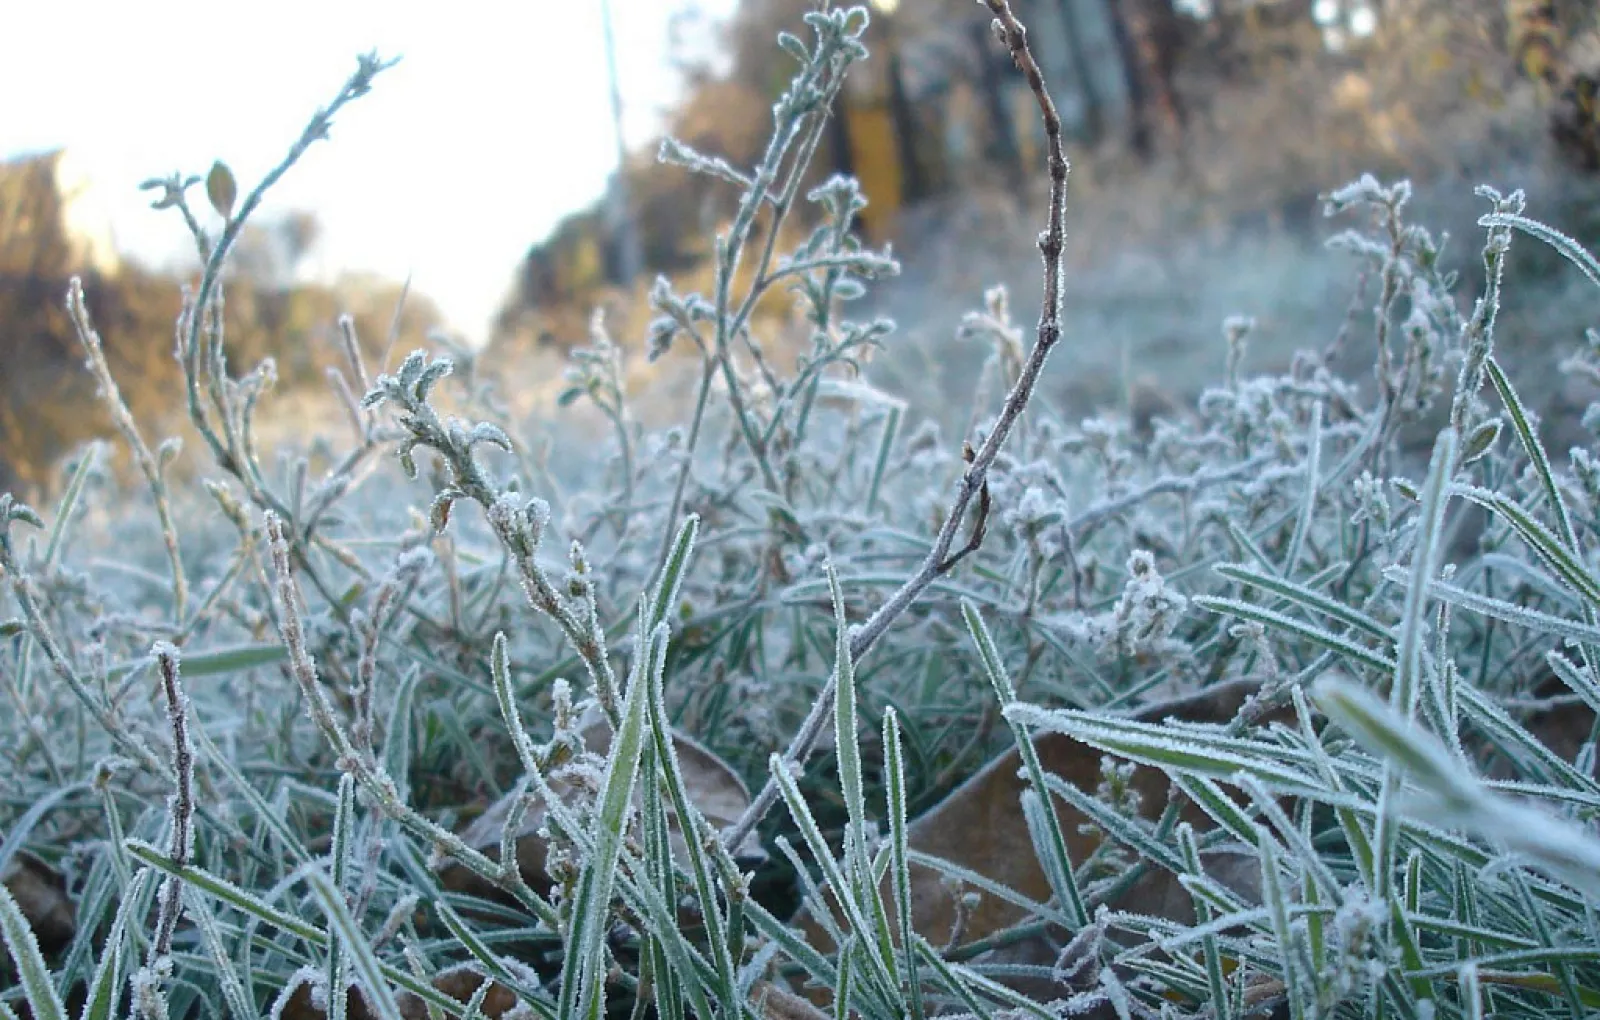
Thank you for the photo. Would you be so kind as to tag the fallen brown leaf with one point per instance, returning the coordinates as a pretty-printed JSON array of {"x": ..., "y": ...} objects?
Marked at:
[
  {"x": 1562, "y": 724},
  {"x": 776, "y": 1003},
  {"x": 980, "y": 827},
  {"x": 713, "y": 786},
  {"x": 42, "y": 894},
  {"x": 459, "y": 983}
]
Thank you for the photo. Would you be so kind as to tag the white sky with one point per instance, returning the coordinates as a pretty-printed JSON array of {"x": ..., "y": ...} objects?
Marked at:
[{"x": 495, "y": 123}]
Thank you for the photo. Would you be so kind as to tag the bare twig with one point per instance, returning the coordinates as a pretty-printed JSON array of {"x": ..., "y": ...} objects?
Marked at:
[
  {"x": 519, "y": 526},
  {"x": 360, "y": 762},
  {"x": 229, "y": 454},
  {"x": 980, "y": 521},
  {"x": 148, "y": 463},
  {"x": 149, "y": 1000},
  {"x": 394, "y": 326},
  {"x": 182, "y": 804},
  {"x": 1197, "y": 482},
  {"x": 226, "y": 427},
  {"x": 707, "y": 374},
  {"x": 973, "y": 482}
]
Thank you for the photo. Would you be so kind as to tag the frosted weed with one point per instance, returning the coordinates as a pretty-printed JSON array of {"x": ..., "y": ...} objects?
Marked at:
[{"x": 250, "y": 759}]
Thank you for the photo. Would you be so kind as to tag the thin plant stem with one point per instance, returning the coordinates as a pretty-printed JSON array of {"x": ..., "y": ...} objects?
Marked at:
[
  {"x": 973, "y": 480},
  {"x": 122, "y": 418}
]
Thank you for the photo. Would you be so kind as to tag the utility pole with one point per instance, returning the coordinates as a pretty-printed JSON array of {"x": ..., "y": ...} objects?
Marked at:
[{"x": 626, "y": 233}]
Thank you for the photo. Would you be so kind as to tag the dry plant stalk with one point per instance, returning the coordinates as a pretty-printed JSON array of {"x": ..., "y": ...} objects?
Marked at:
[{"x": 973, "y": 483}]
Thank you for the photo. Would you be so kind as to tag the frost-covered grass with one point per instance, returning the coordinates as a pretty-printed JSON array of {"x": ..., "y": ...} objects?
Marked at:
[{"x": 250, "y": 720}]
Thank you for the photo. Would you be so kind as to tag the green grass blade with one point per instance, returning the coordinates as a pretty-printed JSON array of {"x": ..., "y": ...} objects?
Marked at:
[
  {"x": 1224, "y": 810},
  {"x": 900, "y": 848},
  {"x": 1215, "y": 982},
  {"x": 1522, "y": 424},
  {"x": 1453, "y": 796},
  {"x": 891, "y": 431},
  {"x": 17, "y": 836},
  {"x": 228, "y": 978},
  {"x": 844, "y": 891},
  {"x": 844, "y": 990},
  {"x": 464, "y": 934},
  {"x": 1308, "y": 505},
  {"x": 693, "y": 826},
  {"x": 1166, "y": 748},
  {"x": 1425, "y": 556},
  {"x": 218, "y": 662},
  {"x": 353, "y": 942},
  {"x": 69, "y": 503},
  {"x": 1509, "y": 612},
  {"x": 506, "y": 695},
  {"x": 1124, "y": 830},
  {"x": 1304, "y": 597},
  {"x": 397, "y": 735},
  {"x": 672, "y": 572},
  {"x": 583, "y": 976},
  {"x": 1546, "y": 545},
  {"x": 1278, "y": 621},
  {"x": 847, "y": 736},
  {"x": 1276, "y": 899},
  {"x": 265, "y": 814},
  {"x": 1057, "y": 859},
  {"x": 343, "y": 826},
  {"x": 105, "y": 988},
  {"x": 988, "y": 886},
  {"x": 1568, "y": 248},
  {"x": 229, "y": 893},
  {"x": 44, "y": 1001}
]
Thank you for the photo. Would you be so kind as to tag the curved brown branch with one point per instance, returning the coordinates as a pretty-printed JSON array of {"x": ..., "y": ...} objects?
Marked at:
[{"x": 974, "y": 481}]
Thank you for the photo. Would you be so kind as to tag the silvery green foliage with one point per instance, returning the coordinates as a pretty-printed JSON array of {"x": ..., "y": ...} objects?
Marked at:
[{"x": 368, "y": 655}]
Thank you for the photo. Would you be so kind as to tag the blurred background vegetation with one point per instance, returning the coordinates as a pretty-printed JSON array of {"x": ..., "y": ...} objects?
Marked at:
[
  {"x": 1201, "y": 131},
  {"x": 47, "y": 399}
]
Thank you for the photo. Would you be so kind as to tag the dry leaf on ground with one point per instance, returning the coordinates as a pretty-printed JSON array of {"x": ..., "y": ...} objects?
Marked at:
[
  {"x": 713, "y": 786},
  {"x": 459, "y": 983},
  {"x": 772, "y": 1002},
  {"x": 41, "y": 892},
  {"x": 1561, "y": 722},
  {"x": 776, "y": 1003},
  {"x": 980, "y": 827}
]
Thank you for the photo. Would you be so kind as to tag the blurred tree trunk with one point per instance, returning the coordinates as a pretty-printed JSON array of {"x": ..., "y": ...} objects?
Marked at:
[
  {"x": 33, "y": 232},
  {"x": 1133, "y": 81},
  {"x": 992, "y": 70},
  {"x": 1147, "y": 36},
  {"x": 839, "y": 139},
  {"x": 914, "y": 180},
  {"x": 1093, "y": 102},
  {"x": 1557, "y": 47}
]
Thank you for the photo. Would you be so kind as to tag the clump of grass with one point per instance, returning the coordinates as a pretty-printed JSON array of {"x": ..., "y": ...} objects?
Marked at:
[{"x": 247, "y": 729}]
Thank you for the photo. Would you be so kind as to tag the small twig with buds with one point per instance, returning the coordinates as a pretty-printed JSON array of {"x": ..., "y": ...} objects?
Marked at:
[{"x": 974, "y": 481}]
